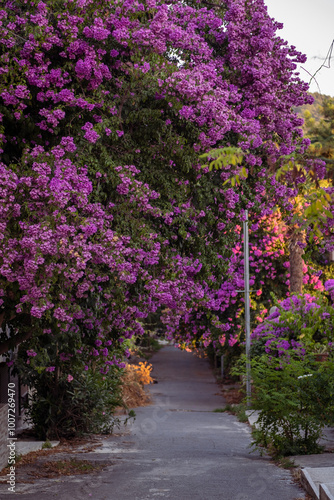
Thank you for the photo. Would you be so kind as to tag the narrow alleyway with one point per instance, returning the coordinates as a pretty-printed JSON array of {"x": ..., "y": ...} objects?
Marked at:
[{"x": 177, "y": 449}]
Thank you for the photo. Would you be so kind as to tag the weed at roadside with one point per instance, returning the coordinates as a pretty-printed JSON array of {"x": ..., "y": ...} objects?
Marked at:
[
  {"x": 239, "y": 410},
  {"x": 47, "y": 445}
]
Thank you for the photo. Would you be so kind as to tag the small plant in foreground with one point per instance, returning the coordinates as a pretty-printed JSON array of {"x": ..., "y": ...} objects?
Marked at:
[
  {"x": 47, "y": 445},
  {"x": 286, "y": 463},
  {"x": 238, "y": 410}
]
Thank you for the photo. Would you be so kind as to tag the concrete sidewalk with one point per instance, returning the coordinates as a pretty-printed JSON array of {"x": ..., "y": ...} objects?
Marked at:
[{"x": 317, "y": 471}]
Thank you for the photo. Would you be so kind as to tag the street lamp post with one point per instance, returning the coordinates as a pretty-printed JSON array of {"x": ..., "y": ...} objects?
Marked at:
[{"x": 247, "y": 308}]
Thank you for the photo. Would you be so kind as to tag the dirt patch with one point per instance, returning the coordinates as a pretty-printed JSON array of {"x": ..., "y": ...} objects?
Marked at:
[
  {"x": 66, "y": 447},
  {"x": 63, "y": 460},
  {"x": 233, "y": 394},
  {"x": 39, "y": 469},
  {"x": 70, "y": 467}
]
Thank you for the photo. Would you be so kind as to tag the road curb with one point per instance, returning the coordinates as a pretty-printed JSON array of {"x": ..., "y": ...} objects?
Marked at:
[{"x": 325, "y": 493}]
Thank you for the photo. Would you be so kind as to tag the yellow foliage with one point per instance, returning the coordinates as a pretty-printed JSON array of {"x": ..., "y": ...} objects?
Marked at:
[
  {"x": 133, "y": 381},
  {"x": 142, "y": 372}
]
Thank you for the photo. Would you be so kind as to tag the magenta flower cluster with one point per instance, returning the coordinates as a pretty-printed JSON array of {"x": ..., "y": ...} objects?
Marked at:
[{"x": 63, "y": 259}]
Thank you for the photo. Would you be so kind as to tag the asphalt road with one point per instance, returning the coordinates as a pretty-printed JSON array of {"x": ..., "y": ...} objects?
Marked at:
[{"x": 176, "y": 449}]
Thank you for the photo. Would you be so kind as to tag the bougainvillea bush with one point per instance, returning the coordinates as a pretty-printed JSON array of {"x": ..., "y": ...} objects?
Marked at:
[
  {"x": 106, "y": 215},
  {"x": 300, "y": 323}
]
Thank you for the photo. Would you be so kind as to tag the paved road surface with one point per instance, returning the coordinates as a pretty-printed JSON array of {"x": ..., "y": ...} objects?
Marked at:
[{"x": 177, "y": 449}]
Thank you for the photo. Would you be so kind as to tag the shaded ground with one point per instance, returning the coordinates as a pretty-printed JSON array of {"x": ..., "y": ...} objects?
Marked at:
[{"x": 177, "y": 448}]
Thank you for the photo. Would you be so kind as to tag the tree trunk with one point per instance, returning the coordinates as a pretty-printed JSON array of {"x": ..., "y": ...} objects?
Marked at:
[{"x": 296, "y": 262}]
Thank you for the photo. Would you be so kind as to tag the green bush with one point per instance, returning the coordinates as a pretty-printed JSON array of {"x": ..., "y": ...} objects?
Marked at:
[
  {"x": 295, "y": 400},
  {"x": 59, "y": 408}
]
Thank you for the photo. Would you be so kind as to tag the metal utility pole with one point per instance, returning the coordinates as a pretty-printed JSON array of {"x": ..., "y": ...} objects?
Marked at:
[{"x": 247, "y": 309}]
